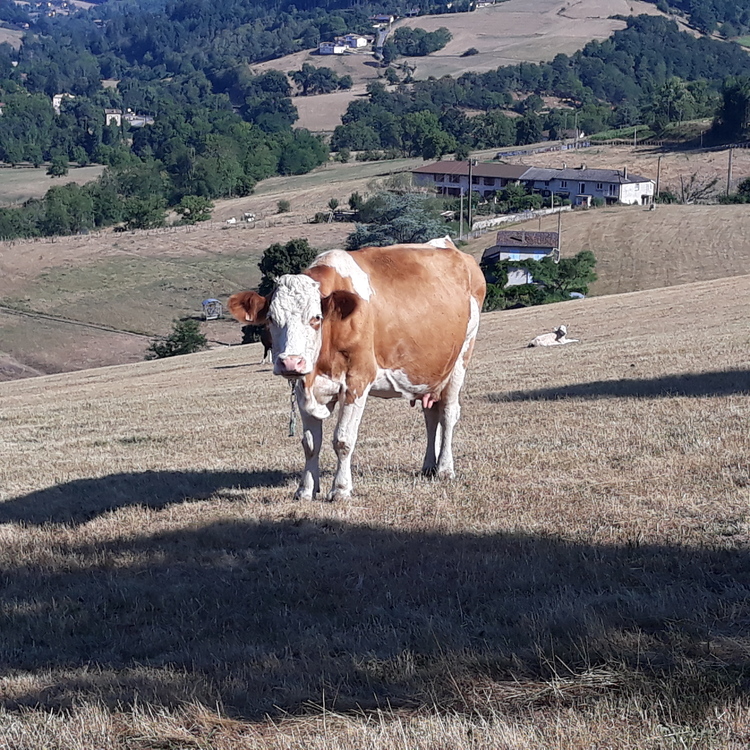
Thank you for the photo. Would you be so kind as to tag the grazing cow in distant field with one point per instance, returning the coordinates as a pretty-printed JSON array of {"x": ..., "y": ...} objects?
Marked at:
[
  {"x": 267, "y": 341},
  {"x": 557, "y": 337},
  {"x": 390, "y": 322}
]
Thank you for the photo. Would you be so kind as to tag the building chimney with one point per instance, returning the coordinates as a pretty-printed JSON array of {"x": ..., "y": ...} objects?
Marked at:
[{"x": 625, "y": 172}]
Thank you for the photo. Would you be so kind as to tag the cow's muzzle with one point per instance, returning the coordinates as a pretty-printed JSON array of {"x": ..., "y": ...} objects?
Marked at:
[{"x": 291, "y": 367}]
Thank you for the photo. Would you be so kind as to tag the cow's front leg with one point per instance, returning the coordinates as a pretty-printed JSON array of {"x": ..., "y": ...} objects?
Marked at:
[
  {"x": 312, "y": 437},
  {"x": 351, "y": 410}
]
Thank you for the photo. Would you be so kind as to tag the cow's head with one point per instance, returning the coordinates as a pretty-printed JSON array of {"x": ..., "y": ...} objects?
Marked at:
[{"x": 294, "y": 313}]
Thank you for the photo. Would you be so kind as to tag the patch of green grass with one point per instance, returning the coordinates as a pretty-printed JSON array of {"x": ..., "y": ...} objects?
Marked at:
[{"x": 743, "y": 41}]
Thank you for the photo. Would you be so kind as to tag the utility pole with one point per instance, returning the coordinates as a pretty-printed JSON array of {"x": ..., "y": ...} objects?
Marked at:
[
  {"x": 658, "y": 175},
  {"x": 461, "y": 217},
  {"x": 559, "y": 234},
  {"x": 635, "y": 136},
  {"x": 472, "y": 164},
  {"x": 729, "y": 169}
]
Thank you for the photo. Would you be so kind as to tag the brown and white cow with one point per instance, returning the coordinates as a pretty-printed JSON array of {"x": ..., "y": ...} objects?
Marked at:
[{"x": 390, "y": 322}]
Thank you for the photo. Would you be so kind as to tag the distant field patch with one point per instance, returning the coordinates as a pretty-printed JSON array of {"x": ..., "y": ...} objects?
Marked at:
[
  {"x": 11, "y": 36},
  {"x": 743, "y": 41},
  {"x": 19, "y": 184}
]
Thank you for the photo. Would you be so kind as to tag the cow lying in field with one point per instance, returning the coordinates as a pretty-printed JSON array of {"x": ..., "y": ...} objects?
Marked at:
[
  {"x": 390, "y": 322},
  {"x": 557, "y": 337}
]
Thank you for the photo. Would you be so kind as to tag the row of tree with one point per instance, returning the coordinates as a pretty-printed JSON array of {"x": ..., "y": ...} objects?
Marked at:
[{"x": 650, "y": 73}]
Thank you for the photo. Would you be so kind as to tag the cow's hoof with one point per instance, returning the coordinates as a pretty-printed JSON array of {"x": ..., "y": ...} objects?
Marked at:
[
  {"x": 446, "y": 474},
  {"x": 429, "y": 471},
  {"x": 303, "y": 494},
  {"x": 336, "y": 494}
]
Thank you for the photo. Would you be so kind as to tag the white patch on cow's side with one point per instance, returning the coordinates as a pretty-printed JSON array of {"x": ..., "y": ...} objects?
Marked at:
[
  {"x": 295, "y": 302},
  {"x": 442, "y": 242},
  {"x": 345, "y": 265}
]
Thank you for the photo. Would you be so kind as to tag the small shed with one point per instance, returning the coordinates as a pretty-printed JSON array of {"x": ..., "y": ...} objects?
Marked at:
[{"x": 212, "y": 309}]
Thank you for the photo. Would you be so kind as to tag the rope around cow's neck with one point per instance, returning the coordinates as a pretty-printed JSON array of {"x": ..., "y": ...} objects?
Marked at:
[{"x": 293, "y": 412}]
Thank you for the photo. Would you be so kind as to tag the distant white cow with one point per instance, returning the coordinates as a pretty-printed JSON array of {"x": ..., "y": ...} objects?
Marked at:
[
  {"x": 233, "y": 220},
  {"x": 558, "y": 336}
]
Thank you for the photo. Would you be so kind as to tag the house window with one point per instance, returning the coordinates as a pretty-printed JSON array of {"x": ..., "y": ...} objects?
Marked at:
[
  {"x": 439, "y": 177},
  {"x": 455, "y": 178},
  {"x": 474, "y": 180},
  {"x": 613, "y": 189},
  {"x": 489, "y": 180},
  {"x": 563, "y": 183},
  {"x": 546, "y": 183},
  {"x": 581, "y": 187},
  {"x": 600, "y": 186}
]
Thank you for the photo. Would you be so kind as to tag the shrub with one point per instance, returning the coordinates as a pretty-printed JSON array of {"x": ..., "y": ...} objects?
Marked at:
[
  {"x": 470, "y": 52},
  {"x": 186, "y": 338},
  {"x": 283, "y": 206}
]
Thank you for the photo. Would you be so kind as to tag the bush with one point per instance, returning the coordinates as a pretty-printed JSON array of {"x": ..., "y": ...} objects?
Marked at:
[
  {"x": 278, "y": 259},
  {"x": 283, "y": 206},
  {"x": 470, "y": 52},
  {"x": 186, "y": 338}
]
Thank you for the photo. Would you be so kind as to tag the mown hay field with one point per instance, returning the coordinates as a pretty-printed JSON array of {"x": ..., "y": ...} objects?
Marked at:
[{"x": 584, "y": 582}]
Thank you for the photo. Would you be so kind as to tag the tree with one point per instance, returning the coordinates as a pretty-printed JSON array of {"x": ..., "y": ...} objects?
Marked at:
[
  {"x": 145, "y": 213},
  {"x": 293, "y": 257},
  {"x": 194, "y": 208},
  {"x": 58, "y": 167},
  {"x": 396, "y": 219},
  {"x": 186, "y": 338}
]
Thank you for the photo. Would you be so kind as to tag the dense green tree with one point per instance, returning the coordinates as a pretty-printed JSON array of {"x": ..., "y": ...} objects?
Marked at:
[
  {"x": 396, "y": 219},
  {"x": 186, "y": 338},
  {"x": 292, "y": 257},
  {"x": 194, "y": 208}
]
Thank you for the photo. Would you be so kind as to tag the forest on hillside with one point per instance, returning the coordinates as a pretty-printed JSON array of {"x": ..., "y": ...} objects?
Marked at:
[{"x": 218, "y": 128}]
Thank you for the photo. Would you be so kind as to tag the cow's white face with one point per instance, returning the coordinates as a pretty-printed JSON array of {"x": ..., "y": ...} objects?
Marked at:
[{"x": 295, "y": 318}]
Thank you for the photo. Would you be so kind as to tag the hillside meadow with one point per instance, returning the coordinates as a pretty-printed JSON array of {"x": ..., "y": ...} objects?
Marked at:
[
  {"x": 584, "y": 582},
  {"x": 69, "y": 303}
]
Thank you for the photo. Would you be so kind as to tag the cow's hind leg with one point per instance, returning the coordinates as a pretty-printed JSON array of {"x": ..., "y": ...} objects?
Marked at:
[
  {"x": 431, "y": 421},
  {"x": 312, "y": 437},
  {"x": 344, "y": 440},
  {"x": 450, "y": 411}
]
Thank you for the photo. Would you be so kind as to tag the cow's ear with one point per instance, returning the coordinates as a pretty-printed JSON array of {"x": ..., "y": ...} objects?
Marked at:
[
  {"x": 249, "y": 307},
  {"x": 339, "y": 305}
]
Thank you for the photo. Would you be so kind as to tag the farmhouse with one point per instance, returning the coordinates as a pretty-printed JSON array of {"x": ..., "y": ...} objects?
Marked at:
[
  {"x": 332, "y": 48},
  {"x": 522, "y": 245},
  {"x": 452, "y": 177},
  {"x": 581, "y": 185},
  {"x": 353, "y": 41}
]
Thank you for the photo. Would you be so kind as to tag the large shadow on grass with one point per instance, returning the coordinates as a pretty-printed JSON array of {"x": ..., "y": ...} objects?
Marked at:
[
  {"x": 719, "y": 383},
  {"x": 266, "y": 618},
  {"x": 83, "y": 499}
]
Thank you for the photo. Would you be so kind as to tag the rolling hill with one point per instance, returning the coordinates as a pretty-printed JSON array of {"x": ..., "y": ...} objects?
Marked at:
[{"x": 583, "y": 582}]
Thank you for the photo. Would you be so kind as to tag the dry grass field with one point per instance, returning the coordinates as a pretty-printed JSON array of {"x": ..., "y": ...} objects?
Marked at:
[
  {"x": 583, "y": 583},
  {"x": 19, "y": 184},
  {"x": 515, "y": 31}
]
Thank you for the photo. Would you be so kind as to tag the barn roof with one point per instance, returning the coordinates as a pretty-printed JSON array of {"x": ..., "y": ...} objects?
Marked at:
[{"x": 522, "y": 238}]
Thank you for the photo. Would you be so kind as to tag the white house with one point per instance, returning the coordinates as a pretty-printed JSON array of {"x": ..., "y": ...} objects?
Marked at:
[
  {"x": 353, "y": 41},
  {"x": 517, "y": 244},
  {"x": 331, "y": 48},
  {"x": 57, "y": 101},
  {"x": 581, "y": 185}
]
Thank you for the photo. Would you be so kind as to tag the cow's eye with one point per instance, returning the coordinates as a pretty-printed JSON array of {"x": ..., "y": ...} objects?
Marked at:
[{"x": 315, "y": 321}]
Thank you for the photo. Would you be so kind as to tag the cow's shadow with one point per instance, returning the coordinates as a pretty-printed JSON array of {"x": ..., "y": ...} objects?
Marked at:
[
  {"x": 81, "y": 500},
  {"x": 706, "y": 384},
  {"x": 266, "y": 617}
]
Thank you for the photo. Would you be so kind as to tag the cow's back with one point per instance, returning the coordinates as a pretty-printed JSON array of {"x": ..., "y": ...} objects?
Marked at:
[{"x": 419, "y": 307}]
